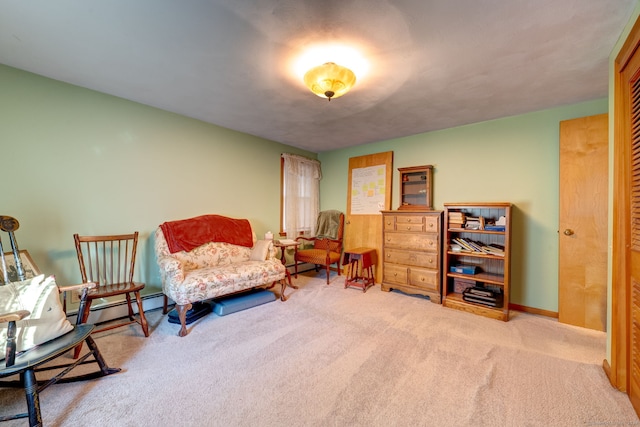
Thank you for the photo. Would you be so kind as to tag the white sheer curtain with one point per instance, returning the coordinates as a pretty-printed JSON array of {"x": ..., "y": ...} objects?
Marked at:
[{"x": 301, "y": 194}]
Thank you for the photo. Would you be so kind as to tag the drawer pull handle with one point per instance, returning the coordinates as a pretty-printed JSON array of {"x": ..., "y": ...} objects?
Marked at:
[
  {"x": 430, "y": 261},
  {"x": 431, "y": 225},
  {"x": 388, "y": 222},
  {"x": 408, "y": 228},
  {"x": 409, "y": 220},
  {"x": 422, "y": 279},
  {"x": 388, "y": 255},
  {"x": 395, "y": 274}
]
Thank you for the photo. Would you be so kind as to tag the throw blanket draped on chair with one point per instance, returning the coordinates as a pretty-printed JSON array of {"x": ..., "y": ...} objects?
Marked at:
[
  {"x": 328, "y": 224},
  {"x": 327, "y": 243},
  {"x": 188, "y": 234}
]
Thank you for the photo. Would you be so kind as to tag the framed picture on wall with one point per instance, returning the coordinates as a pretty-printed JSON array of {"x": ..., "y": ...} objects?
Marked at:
[{"x": 30, "y": 267}]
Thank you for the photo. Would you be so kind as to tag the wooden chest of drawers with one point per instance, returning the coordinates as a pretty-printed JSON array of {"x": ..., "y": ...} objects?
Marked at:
[{"x": 411, "y": 252}]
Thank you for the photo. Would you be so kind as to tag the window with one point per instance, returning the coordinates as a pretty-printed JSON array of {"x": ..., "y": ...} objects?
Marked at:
[{"x": 300, "y": 194}]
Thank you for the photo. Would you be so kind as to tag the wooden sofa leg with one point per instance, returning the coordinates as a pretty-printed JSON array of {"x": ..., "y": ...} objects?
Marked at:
[
  {"x": 165, "y": 305},
  {"x": 182, "y": 315},
  {"x": 283, "y": 287}
]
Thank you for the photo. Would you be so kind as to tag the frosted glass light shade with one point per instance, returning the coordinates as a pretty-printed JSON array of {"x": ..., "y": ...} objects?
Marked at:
[{"x": 329, "y": 80}]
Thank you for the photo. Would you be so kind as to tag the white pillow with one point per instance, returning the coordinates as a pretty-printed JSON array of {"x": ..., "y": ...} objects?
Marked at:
[
  {"x": 260, "y": 250},
  {"x": 47, "y": 320}
]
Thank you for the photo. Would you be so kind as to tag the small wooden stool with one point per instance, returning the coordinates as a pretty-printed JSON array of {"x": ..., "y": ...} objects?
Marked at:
[{"x": 366, "y": 258}]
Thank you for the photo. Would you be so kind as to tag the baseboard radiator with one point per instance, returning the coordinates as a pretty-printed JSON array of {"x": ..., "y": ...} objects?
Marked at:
[{"x": 118, "y": 309}]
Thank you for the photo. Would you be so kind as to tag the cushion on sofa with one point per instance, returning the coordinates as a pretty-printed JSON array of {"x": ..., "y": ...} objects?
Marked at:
[
  {"x": 205, "y": 283},
  {"x": 260, "y": 250},
  {"x": 210, "y": 254}
]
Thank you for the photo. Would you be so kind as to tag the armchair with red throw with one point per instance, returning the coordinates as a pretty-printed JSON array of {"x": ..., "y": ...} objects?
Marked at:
[{"x": 327, "y": 243}]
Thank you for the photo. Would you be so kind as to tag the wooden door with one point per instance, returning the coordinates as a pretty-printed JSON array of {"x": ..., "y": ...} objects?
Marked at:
[
  {"x": 582, "y": 282},
  {"x": 363, "y": 224},
  {"x": 624, "y": 371}
]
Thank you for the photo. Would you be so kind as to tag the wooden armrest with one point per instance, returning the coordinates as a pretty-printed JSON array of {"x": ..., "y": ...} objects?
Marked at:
[
  {"x": 78, "y": 287},
  {"x": 81, "y": 288},
  {"x": 14, "y": 316}
]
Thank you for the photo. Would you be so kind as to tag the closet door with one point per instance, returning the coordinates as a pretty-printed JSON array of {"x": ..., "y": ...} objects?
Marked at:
[
  {"x": 624, "y": 371},
  {"x": 634, "y": 240},
  {"x": 634, "y": 250}
]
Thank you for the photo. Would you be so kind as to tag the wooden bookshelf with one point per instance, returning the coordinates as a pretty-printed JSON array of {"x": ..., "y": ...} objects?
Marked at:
[{"x": 492, "y": 271}]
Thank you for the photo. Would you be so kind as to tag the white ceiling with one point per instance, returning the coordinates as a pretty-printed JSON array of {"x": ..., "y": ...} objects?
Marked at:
[{"x": 433, "y": 64}]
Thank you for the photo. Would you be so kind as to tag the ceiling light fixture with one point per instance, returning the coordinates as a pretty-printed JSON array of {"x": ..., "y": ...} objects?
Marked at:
[{"x": 329, "y": 80}]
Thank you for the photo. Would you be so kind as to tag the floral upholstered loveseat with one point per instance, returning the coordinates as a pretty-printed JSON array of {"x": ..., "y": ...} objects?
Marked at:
[{"x": 210, "y": 256}]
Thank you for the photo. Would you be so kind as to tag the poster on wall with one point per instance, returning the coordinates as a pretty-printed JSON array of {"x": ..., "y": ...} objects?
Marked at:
[{"x": 368, "y": 190}]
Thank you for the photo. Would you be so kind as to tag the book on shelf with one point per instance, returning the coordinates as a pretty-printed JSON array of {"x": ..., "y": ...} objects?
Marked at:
[
  {"x": 493, "y": 227},
  {"x": 480, "y": 291},
  {"x": 453, "y": 215},
  {"x": 456, "y": 219},
  {"x": 464, "y": 244},
  {"x": 483, "y": 296},
  {"x": 477, "y": 247},
  {"x": 475, "y": 300},
  {"x": 468, "y": 245},
  {"x": 474, "y": 223},
  {"x": 463, "y": 269},
  {"x": 479, "y": 298},
  {"x": 493, "y": 249}
]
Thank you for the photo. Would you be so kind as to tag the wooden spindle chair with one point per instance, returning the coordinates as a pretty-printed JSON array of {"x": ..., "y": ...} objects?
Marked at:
[{"x": 109, "y": 261}]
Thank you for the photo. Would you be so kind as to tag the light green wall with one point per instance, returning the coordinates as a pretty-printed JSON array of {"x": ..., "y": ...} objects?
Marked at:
[
  {"x": 75, "y": 160},
  {"x": 78, "y": 161},
  {"x": 513, "y": 159}
]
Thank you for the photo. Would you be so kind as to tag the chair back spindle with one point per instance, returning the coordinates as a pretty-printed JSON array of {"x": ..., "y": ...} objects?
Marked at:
[{"x": 107, "y": 260}]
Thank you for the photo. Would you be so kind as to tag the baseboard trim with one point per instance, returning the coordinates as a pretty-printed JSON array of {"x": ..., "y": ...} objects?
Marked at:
[
  {"x": 532, "y": 310},
  {"x": 118, "y": 309},
  {"x": 302, "y": 268},
  {"x": 611, "y": 377}
]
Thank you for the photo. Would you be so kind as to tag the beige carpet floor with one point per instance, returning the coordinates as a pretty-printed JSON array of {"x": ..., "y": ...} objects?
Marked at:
[{"x": 331, "y": 356}]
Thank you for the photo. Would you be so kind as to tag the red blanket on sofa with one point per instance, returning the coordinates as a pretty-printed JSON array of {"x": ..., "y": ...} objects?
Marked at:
[{"x": 188, "y": 234}]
